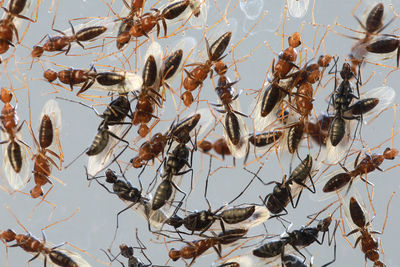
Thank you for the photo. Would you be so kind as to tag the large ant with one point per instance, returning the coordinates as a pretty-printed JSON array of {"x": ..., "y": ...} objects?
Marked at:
[
  {"x": 176, "y": 161},
  {"x": 298, "y": 238},
  {"x": 368, "y": 164},
  {"x": 304, "y": 99},
  {"x": 7, "y": 27},
  {"x": 16, "y": 164},
  {"x": 146, "y": 22},
  {"x": 385, "y": 45},
  {"x": 88, "y": 77},
  {"x": 42, "y": 166},
  {"x": 58, "y": 43},
  {"x": 369, "y": 245},
  {"x": 235, "y": 130},
  {"x": 197, "y": 75},
  {"x": 131, "y": 196},
  {"x": 194, "y": 249}
]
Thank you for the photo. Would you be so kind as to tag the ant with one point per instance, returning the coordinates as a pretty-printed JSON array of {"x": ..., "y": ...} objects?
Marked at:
[
  {"x": 58, "y": 43},
  {"x": 194, "y": 249},
  {"x": 148, "y": 96},
  {"x": 275, "y": 91},
  {"x": 87, "y": 78},
  {"x": 282, "y": 193},
  {"x": 15, "y": 161},
  {"x": 7, "y": 26},
  {"x": 176, "y": 160},
  {"x": 369, "y": 245},
  {"x": 235, "y": 129},
  {"x": 385, "y": 45},
  {"x": 368, "y": 164},
  {"x": 131, "y": 196},
  {"x": 220, "y": 147},
  {"x": 303, "y": 237},
  {"x": 145, "y": 23},
  {"x": 197, "y": 75},
  {"x": 42, "y": 167},
  {"x": 33, "y": 245},
  {"x": 304, "y": 80},
  {"x": 202, "y": 220}
]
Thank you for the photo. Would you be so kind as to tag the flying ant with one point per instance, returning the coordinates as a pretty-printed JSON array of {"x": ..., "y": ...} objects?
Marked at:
[
  {"x": 59, "y": 43},
  {"x": 369, "y": 245},
  {"x": 149, "y": 95},
  {"x": 284, "y": 192},
  {"x": 173, "y": 165},
  {"x": 179, "y": 132},
  {"x": 7, "y": 26},
  {"x": 31, "y": 244},
  {"x": 385, "y": 45},
  {"x": 275, "y": 91},
  {"x": 301, "y": 238},
  {"x": 130, "y": 196},
  {"x": 111, "y": 126},
  {"x": 197, "y": 75},
  {"x": 176, "y": 161},
  {"x": 235, "y": 129},
  {"x": 50, "y": 124},
  {"x": 146, "y": 22},
  {"x": 15, "y": 160},
  {"x": 373, "y": 26},
  {"x": 124, "y": 82},
  {"x": 220, "y": 147},
  {"x": 368, "y": 164},
  {"x": 286, "y": 58},
  {"x": 196, "y": 248}
]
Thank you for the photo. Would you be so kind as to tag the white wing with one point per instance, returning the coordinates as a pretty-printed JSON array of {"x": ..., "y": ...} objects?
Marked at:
[
  {"x": 298, "y": 8},
  {"x": 97, "y": 162},
  {"x": 16, "y": 180}
]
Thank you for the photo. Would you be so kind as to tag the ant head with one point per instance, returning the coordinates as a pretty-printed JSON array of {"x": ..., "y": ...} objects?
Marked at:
[
  {"x": 390, "y": 153},
  {"x": 5, "y": 95},
  {"x": 36, "y": 191},
  {"x": 294, "y": 40},
  {"x": 346, "y": 72},
  {"x": 8, "y": 235},
  {"x": 126, "y": 251},
  {"x": 110, "y": 176}
]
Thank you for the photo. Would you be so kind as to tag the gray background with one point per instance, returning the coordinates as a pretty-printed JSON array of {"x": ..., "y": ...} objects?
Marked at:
[{"x": 92, "y": 228}]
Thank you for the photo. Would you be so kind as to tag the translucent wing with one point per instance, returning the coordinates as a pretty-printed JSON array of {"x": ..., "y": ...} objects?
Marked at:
[
  {"x": 298, "y": 8},
  {"x": 260, "y": 215},
  {"x": 133, "y": 82},
  {"x": 252, "y": 8},
  {"x": 52, "y": 109},
  {"x": 78, "y": 259},
  {"x": 16, "y": 180},
  {"x": 335, "y": 154},
  {"x": 98, "y": 162},
  {"x": 156, "y": 218}
]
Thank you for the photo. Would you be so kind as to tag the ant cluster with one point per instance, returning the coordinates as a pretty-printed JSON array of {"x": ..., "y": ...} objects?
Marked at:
[{"x": 177, "y": 85}]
